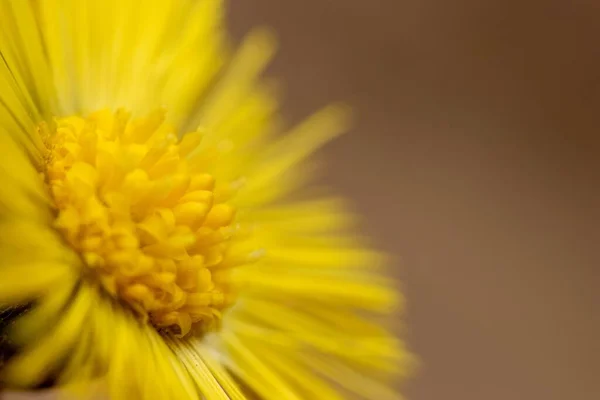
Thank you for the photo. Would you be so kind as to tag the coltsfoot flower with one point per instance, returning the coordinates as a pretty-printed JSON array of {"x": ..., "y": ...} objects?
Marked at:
[{"x": 153, "y": 232}]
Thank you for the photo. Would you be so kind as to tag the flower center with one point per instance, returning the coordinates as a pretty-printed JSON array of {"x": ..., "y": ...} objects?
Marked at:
[{"x": 149, "y": 227}]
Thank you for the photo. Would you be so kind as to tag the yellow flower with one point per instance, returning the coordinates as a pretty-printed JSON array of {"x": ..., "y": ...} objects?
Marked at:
[{"x": 149, "y": 238}]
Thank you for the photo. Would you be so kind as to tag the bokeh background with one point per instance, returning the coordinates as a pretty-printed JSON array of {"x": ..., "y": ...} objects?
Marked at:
[{"x": 475, "y": 161}]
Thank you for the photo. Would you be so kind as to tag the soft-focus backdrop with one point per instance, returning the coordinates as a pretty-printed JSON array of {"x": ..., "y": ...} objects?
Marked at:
[{"x": 476, "y": 162}]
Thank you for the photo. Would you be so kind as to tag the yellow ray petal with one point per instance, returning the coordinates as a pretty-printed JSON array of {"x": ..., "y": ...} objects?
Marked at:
[
  {"x": 212, "y": 387},
  {"x": 220, "y": 373},
  {"x": 37, "y": 321},
  {"x": 36, "y": 362},
  {"x": 350, "y": 291},
  {"x": 250, "y": 368},
  {"x": 20, "y": 283},
  {"x": 239, "y": 80}
]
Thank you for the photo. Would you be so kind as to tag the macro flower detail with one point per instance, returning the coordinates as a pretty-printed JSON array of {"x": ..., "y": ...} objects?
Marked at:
[
  {"x": 159, "y": 238},
  {"x": 132, "y": 200}
]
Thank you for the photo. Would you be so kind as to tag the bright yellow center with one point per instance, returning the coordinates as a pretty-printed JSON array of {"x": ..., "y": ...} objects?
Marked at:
[{"x": 149, "y": 227}]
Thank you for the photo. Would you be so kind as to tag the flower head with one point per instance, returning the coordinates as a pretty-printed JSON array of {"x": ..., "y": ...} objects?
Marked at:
[{"x": 151, "y": 232}]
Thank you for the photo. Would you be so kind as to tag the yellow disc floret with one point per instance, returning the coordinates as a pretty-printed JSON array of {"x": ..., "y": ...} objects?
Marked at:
[{"x": 147, "y": 225}]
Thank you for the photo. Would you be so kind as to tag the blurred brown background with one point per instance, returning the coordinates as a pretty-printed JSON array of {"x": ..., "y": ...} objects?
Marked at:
[{"x": 475, "y": 161}]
